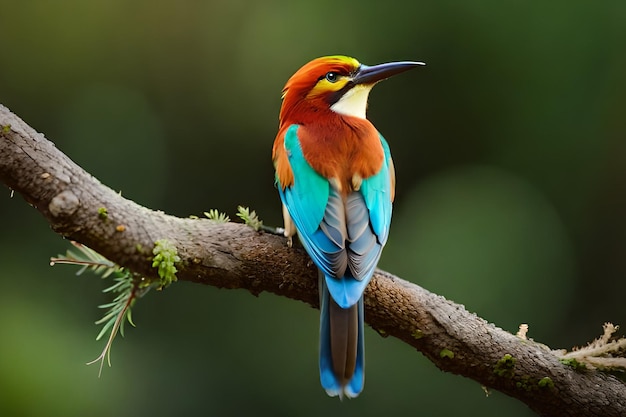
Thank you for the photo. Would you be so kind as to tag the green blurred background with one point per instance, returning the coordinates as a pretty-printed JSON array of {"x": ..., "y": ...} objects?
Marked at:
[{"x": 509, "y": 149}]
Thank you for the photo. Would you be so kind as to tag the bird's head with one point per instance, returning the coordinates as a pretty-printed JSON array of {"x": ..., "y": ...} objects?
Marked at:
[{"x": 335, "y": 83}]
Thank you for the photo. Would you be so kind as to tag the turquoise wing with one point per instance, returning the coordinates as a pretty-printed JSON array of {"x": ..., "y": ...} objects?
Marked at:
[{"x": 306, "y": 200}]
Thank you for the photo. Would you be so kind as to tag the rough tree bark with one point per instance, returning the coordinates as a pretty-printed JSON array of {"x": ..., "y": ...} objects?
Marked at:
[{"x": 235, "y": 256}]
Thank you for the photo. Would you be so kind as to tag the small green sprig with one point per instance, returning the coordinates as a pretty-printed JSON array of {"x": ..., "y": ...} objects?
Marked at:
[
  {"x": 216, "y": 216},
  {"x": 88, "y": 259},
  {"x": 250, "y": 218},
  {"x": 127, "y": 287},
  {"x": 119, "y": 312}
]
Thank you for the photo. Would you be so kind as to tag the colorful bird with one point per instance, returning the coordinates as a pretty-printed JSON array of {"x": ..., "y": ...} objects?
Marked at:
[{"x": 336, "y": 180}]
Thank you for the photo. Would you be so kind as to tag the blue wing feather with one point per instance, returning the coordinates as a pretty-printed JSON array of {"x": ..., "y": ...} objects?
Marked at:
[{"x": 377, "y": 193}]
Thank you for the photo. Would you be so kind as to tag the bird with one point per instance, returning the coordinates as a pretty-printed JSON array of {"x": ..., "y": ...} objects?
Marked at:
[{"x": 336, "y": 181}]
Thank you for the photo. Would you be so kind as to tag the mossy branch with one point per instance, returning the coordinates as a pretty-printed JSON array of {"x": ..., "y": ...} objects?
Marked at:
[{"x": 230, "y": 255}]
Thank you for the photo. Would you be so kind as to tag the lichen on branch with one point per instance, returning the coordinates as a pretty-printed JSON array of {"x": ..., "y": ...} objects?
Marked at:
[{"x": 165, "y": 260}]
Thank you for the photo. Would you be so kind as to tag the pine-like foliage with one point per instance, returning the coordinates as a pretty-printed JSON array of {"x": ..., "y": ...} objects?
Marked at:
[{"x": 126, "y": 287}]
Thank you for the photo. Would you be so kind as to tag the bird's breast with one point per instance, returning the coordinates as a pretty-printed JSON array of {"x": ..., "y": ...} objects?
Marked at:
[{"x": 345, "y": 154}]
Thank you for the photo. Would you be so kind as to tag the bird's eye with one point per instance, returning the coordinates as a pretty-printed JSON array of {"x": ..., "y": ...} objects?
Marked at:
[{"x": 332, "y": 77}]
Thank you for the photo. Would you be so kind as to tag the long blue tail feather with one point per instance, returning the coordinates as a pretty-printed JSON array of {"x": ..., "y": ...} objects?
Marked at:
[{"x": 339, "y": 385}]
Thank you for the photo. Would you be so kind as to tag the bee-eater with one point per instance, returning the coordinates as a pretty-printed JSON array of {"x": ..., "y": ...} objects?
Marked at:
[{"x": 336, "y": 180}]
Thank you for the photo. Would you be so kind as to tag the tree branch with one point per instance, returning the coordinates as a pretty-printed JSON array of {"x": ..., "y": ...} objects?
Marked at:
[{"x": 235, "y": 256}]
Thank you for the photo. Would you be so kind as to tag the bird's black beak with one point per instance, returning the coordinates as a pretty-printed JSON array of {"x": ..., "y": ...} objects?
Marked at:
[{"x": 371, "y": 75}]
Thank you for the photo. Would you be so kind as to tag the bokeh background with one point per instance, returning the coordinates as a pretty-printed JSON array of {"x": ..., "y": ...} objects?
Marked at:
[{"x": 510, "y": 153}]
